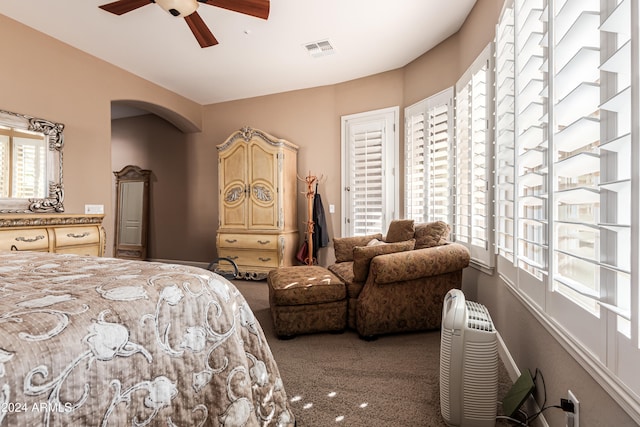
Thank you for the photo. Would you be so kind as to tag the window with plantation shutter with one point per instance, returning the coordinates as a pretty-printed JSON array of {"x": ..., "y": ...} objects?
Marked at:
[
  {"x": 576, "y": 168},
  {"x": 415, "y": 167},
  {"x": 505, "y": 142},
  {"x": 473, "y": 142},
  {"x": 531, "y": 148},
  {"x": 439, "y": 176},
  {"x": 428, "y": 159},
  {"x": 573, "y": 174},
  {"x": 369, "y": 161}
]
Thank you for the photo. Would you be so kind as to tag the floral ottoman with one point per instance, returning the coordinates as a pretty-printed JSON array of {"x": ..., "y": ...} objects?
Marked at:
[{"x": 306, "y": 299}]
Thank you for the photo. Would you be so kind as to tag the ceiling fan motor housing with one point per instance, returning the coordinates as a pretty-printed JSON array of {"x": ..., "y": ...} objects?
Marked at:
[{"x": 178, "y": 7}]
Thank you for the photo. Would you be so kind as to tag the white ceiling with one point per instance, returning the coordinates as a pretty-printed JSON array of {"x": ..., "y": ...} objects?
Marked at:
[{"x": 254, "y": 57}]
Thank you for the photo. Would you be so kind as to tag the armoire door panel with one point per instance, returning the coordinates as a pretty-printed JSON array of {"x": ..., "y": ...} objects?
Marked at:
[
  {"x": 263, "y": 218},
  {"x": 235, "y": 217},
  {"x": 262, "y": 164},
  {"x": 233, "y": 187},
  {"x": 233, "y": 165}
]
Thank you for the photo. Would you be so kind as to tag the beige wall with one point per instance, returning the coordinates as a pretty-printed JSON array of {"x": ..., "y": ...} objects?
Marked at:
[
  {"x": 44, "y": 78},
  {"x": 53, "y": 81}
]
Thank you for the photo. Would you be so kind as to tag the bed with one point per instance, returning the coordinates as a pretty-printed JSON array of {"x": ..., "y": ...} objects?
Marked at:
[{"x": 89, "y": 341}]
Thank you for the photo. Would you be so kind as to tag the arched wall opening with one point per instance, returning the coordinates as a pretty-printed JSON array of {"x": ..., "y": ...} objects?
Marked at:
[{"x": 155, "y": 138}]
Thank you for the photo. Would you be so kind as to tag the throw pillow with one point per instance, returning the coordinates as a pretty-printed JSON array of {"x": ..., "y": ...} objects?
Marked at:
[
  {"x": 376, "y": 242},
  {"x": 400, "y": 230},
  {"x": 362, "y": 256},
  {"x": 432, "y": 234},
  {"x": 343, "y": 246}
]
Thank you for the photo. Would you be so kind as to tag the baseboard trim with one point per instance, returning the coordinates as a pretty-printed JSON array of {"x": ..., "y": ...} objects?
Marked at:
[{"x": 514, "y": 373}]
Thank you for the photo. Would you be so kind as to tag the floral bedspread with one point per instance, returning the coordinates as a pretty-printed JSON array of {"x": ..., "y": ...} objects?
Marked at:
[{"x": 88, "y": 341}]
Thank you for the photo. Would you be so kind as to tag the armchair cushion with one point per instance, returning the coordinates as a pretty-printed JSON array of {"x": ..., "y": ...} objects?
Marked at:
[
  {"x": 400, "y": 230},
  {"x": 419, "y": 263},
  {"x": 343, "y": 246},
  {"x": 431, "y": 234},
  {"x": 362, "y": 256},
  {"x": 344, "y": 271}
]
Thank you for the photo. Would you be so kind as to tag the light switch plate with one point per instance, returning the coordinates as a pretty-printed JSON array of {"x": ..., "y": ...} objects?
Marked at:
[
  {"x": 93, "y": 209},
  {"x": 332, "y": 208}
]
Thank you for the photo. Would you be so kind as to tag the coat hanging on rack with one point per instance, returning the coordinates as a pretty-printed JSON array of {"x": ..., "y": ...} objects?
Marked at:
[
  {"x": 320, "y": 232},
  {"x": 317, "y": 235}
]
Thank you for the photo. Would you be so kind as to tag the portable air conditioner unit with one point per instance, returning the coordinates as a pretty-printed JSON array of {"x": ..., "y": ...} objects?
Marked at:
[{"x": 468, "y": 363}]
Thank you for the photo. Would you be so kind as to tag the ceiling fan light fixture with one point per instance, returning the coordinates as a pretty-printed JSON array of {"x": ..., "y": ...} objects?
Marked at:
[{"x": 178, "y": 7}]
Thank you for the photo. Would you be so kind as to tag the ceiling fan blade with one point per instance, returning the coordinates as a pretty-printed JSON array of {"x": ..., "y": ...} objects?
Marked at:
[
  {"x": 121, "y": 7},
  {"x": 200, "y": 30},
  {"x": 257, "y": 8}
]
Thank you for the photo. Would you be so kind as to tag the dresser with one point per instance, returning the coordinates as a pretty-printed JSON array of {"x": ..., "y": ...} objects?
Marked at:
[
  {"x": 59, "y": 233},
  {"x": 257, "y": 178}
]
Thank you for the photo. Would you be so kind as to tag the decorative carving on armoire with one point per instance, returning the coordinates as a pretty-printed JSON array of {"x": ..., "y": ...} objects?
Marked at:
[
  {"x": 257, "y": 206},
  {"x": 262, "y": 193},
  {"x": 234, "y": 194}
]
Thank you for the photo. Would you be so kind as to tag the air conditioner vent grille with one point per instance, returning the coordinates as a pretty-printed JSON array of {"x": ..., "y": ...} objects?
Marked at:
[
  {"x": 478, "y": 317},
  {"x": 319, "y": 48}
]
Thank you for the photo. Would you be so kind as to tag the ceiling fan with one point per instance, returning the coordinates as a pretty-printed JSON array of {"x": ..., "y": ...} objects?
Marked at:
[{"x": 187, "y": 9}]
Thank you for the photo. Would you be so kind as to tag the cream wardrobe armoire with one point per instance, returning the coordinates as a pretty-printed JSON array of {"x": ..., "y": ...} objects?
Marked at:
[{"x": 257, "y": 178}]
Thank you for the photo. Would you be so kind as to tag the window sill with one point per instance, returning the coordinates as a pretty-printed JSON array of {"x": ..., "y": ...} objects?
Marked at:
[{"x": 481, "y": 266}]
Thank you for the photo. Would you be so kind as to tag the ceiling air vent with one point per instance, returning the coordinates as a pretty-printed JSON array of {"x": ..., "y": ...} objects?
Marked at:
[{"x": 319, "y": 48}]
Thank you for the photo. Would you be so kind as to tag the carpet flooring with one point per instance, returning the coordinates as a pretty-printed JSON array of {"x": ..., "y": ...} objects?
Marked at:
[{"x": 341, "y": 380}]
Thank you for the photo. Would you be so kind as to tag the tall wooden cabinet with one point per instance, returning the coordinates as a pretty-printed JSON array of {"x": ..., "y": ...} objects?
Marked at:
[{"x": 257, "y": 178}]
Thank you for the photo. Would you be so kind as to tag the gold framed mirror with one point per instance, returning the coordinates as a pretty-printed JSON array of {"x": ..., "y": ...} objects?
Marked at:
[
  {"x": 30, "y": 164},
  {"x": 132, "y": 212}
]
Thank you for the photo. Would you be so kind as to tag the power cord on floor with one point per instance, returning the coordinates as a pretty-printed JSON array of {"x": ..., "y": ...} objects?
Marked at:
[{"x": 528, "y": 419}]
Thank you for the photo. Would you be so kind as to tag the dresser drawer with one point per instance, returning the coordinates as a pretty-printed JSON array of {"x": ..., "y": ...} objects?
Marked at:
[
  {"x": 74, "y": 236},
  {"x": 91, "y": 250},
  {"x": 248, "y": 241},
  {"x": 28, "y": 239},
  {"x": 251, "y": 258}
]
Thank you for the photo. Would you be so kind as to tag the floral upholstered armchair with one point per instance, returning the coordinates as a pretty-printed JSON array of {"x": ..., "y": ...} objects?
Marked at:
[{"x": 398, "y": 283}]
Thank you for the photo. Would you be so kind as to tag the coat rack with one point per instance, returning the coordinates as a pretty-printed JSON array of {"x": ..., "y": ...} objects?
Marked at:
[{"x": 311, "y": 181}]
